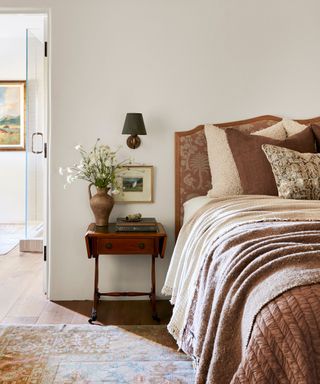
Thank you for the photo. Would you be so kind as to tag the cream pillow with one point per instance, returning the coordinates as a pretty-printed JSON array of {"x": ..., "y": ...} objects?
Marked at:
[
  {"x": 276, "y": 131},
  {"x": 292, "y": 127},
  {"x": 297, "y": 174},
  {"x": 224, "y": 174}
]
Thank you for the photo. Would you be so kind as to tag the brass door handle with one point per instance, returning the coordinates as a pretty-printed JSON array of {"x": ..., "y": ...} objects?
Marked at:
[
  {"x": 141, "y": 245},
  {"x": 109, "y": 245}
]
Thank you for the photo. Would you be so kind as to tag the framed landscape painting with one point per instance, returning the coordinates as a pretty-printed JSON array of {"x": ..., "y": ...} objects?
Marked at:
[
  {"x": 12, "y": 115},
  {"x": 135, "y": 184}
]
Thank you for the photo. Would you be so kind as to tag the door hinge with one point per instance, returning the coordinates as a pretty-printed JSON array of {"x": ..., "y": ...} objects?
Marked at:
[
  {"x": 45, "y": 49},
  {"x": 45, "y": 253},
  {"x": 45, "y": 150}
]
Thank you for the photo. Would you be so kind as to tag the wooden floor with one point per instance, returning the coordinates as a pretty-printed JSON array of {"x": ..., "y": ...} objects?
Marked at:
[{"x": 22, "y": 300}]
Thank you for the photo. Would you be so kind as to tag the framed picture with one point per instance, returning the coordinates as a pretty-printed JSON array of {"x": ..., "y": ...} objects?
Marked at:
[
  {"x": 12, "y": 115},
  {"x": 135, "y": 184}
]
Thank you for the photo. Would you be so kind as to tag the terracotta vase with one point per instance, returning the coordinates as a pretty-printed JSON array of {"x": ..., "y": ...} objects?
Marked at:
[{"x": 101, "y": 204}]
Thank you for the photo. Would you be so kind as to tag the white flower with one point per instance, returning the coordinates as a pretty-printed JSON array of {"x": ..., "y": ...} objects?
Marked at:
[
  {"x": 115, "y": 192},
  {"x": 97, "y": 166}
]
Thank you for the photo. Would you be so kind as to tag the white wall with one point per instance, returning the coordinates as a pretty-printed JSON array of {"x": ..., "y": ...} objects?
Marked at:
[{"x": 181, "y": 63}]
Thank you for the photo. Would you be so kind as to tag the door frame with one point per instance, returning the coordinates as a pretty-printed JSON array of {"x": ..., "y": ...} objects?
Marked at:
[{"x": 47, "y": 136}]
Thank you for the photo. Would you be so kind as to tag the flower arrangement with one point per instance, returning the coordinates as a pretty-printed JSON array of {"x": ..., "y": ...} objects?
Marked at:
[{"x": 98, "y": 167}]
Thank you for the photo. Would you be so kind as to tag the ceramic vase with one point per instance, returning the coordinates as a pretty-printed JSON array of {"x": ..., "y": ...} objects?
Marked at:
[{"x": 101, "y": 204}]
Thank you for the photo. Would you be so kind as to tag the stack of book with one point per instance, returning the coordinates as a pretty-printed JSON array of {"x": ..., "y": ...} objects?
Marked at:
[{"x": 146, "y": 224}]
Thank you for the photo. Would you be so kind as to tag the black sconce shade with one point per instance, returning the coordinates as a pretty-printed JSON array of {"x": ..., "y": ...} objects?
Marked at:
[{"x": 134, "y": 126}]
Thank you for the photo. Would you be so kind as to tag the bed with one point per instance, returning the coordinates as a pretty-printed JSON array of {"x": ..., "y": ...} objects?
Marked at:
[{"x": 245, "y": 273}]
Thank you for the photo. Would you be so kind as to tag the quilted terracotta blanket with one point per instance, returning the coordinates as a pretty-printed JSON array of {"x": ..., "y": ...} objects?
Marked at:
[
  {"x": 285, "y": 343},
  {"x": 249, "y": 266}
]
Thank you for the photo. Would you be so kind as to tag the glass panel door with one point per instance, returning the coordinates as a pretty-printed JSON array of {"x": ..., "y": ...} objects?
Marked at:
[{"x": 35, "y": 129}]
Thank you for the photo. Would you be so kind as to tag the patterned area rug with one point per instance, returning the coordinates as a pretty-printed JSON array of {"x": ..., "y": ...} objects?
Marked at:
[
  {"x": 91, "y": 354},
  {"x": 11, "y": 234}
]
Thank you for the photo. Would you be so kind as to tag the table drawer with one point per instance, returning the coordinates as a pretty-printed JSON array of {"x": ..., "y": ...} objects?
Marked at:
[{"x": 125, "y": 245}]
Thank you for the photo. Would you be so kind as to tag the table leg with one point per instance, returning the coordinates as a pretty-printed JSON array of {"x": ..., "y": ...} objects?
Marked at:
[
  {"x": 153, "y": 289},
  {"x": 96, "y": 295}
]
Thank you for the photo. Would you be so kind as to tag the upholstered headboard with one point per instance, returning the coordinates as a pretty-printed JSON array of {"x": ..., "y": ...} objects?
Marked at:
[{"x": 192, "y": 172}]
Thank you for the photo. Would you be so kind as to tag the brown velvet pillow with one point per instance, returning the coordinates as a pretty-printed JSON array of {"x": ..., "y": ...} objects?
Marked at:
[{"x": 254, "y": 169}]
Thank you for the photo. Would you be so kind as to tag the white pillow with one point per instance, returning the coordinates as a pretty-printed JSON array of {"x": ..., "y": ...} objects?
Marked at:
[
  {"x": 193, "y": 205},
  {"x": 224, "y": 173}
]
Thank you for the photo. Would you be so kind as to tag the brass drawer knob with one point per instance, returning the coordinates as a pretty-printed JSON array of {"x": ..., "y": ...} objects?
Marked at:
[
  {"x": 141, "y": 245},
  {"x": 109, "y": 245}
]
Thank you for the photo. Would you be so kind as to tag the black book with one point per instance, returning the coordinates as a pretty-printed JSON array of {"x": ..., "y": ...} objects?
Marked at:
[{"x": 134, "y": 228}]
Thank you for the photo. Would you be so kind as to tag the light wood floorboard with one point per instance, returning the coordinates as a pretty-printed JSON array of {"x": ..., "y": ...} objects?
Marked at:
[
  {"x": 22, "y": 300},
  {"x": 19, "y": 283}
]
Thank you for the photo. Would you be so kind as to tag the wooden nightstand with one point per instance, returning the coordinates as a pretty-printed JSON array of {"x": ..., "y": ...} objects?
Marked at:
[{"x": 106, "y": 241}]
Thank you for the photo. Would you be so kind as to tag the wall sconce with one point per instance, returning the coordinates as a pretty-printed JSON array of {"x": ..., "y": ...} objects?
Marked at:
[{"x": 134, "y": 126}]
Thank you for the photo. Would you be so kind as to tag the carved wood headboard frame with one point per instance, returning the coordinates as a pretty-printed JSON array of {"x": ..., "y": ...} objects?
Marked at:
[{"x": 192, "y": 172}]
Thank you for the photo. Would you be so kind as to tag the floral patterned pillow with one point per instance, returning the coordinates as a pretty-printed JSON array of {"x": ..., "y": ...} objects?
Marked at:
[{"x": 297, "y": 175}]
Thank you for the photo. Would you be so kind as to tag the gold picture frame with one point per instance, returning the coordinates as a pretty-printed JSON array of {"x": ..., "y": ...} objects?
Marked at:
[
  {"x": 135, "y": 184},
  {"x": 12, "y": 115}
]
